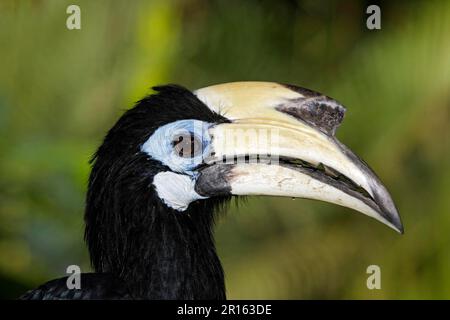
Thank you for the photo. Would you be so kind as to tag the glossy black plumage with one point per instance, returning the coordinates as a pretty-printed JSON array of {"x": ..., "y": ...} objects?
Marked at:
[
  {"x": 94, "y": 286},
  {"x": 139, "y": 247}
]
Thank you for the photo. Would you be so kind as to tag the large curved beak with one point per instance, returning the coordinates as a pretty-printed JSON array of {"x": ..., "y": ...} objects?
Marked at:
[{"x": 281, "y": 141}]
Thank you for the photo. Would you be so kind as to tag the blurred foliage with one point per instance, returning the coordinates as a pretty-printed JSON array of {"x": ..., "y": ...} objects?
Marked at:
[{"x": 60, "y": 90}]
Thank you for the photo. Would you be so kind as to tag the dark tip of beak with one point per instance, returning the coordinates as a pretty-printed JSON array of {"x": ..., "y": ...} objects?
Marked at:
[
  {"x": 397, "y": 223},
  {"x": 387, "y": 207}
]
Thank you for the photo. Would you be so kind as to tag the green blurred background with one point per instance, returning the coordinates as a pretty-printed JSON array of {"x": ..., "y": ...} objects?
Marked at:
[{"x": 60, "y": 90}]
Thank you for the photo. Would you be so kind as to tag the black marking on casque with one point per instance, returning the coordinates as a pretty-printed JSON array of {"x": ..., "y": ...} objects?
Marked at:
[
  {"x": 318, "y": 110},
  {"x": 306, "y": 93}
]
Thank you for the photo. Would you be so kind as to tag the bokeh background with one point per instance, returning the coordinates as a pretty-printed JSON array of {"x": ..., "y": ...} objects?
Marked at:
[{"x": 61, "y": 90}]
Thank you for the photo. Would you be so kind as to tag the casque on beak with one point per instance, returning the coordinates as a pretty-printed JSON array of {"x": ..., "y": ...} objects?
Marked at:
[{"x": 281, "y": 141}]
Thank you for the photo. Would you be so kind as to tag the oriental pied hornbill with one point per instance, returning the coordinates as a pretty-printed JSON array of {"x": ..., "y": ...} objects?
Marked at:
[{"x": 173, "y": 159}]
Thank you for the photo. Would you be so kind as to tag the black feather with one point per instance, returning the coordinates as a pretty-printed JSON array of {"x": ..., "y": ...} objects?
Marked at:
[{"x": 93, "y": 287}]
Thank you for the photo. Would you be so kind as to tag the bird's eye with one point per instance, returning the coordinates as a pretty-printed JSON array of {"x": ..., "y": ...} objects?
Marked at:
[{"x": 187, "y": 145}]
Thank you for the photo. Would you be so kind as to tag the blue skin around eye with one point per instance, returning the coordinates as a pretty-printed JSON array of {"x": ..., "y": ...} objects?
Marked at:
[{"x": 160, "y": 145}]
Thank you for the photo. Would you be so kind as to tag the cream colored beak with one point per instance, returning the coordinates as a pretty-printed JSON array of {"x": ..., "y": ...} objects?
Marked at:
[{"x": 281, "y": 141}]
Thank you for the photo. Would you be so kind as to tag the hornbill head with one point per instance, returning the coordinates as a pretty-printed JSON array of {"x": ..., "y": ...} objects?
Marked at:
[{"x": 168, "y": 161}]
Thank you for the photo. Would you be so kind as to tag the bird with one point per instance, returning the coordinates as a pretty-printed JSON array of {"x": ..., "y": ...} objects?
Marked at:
[{"x": 176, "y": 158}]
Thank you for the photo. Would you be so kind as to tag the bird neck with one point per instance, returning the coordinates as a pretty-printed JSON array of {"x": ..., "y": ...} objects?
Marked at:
[
  {"x": 160, "y": 253},
  {"x": 175, "y": 259}
]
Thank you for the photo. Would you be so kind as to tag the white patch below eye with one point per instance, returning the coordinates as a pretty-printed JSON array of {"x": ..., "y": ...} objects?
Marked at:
[{"x": 176, "y": 190}]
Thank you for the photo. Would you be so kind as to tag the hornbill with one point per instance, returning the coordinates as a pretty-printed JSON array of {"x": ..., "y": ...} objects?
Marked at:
[{"x": 177, "y": 156}]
